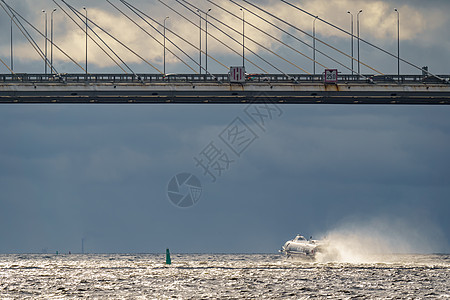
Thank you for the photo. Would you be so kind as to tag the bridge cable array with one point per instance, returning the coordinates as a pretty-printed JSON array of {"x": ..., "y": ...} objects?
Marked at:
[
  {"x": 140, "y": 14},
  {"x": 211, "y": 35},
  {"x": 11, "y": 13},
  {"x": 257, "y": 43},
  {"x": 94, "y": 36},
  {"x": 362, "y": 40},
  {"x": 90, "y": 37},
  {"x": 306, "y": 33},
  {"x": 33, "y": 43},
  {"x": 149, "y": 34},
  {"x": 269, "y": 35},
  {"x": 226, "y": 34},
  {"x": 79, "y": 15},
  {"x": 232, "y": 29}
]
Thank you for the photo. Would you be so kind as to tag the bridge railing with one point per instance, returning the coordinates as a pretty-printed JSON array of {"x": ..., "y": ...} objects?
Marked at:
[{"x": 214, "y": 78}]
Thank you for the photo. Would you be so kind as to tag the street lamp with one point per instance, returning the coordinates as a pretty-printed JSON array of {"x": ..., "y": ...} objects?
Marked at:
[
  {"x": 243, "y": 38},
  {"x": 351, "y": 39},
  {"x": 51, "y": 42},
  {"x": 200, "y": 41},
  {"x": 357, "y": 27},
  {"x": 12, "y": 49},
  {"x": 314, "y": 45},
  {"x": 206, "y": 38},
  {"x": 165, "y": 44},
  {"x": 86, "y": 68},
  {"x": 398, "y": 42},
  {"x": 45, "y": 60}
]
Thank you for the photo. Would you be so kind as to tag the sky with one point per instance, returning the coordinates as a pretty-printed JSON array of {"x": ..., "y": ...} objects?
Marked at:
[{"x": 101, "y": 172}]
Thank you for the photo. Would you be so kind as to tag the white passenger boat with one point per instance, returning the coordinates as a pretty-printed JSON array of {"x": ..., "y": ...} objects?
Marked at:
[{"x": 301, "y": 247}]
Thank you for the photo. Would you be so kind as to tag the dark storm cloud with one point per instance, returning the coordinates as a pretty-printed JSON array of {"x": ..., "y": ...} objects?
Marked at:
[
  {"x": 102, "y": 174},
  {"x": 371, "y": 146}
]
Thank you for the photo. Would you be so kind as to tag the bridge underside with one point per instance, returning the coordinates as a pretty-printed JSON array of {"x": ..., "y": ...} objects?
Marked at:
[{"x": 243, "y": 97}]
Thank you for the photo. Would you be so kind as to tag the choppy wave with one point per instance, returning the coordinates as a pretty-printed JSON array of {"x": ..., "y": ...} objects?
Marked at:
[{"x": 194, "y": 276}]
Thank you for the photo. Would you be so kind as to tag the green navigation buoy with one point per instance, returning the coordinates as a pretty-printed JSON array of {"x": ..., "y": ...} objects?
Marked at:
[{"x": 168, "y": 260}]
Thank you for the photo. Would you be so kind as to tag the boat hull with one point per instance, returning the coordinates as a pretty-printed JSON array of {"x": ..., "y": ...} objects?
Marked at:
[{"x": 301, "y": 248}]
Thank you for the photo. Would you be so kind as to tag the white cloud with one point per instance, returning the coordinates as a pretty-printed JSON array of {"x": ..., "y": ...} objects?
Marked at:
[{"x": 378, "y": 25}]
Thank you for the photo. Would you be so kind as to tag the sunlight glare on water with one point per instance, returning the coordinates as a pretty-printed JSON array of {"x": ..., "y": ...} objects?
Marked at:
[{"x": 193, "y": 276}]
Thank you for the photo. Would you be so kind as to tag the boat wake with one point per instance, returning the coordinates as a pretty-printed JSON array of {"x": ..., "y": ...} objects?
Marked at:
[{"x": 372, "y": 241}]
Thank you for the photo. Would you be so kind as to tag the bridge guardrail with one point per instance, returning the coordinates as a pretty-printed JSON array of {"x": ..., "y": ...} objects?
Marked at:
[{"x": 212, "y": 78}]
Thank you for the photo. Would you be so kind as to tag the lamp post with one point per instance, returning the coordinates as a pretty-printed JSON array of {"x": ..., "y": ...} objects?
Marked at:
[
  {"x": 165, "y": 44},
  {"x": 45, "y": 60},
  {"x": 398, "y": 42},
  {"x": 351, "y": 39},
  {"x": 200, "y": 42},
  {"x": 12, "y": 49},
  {"x": 206, "y": 39},
  {"x": 86, "y": 68},
  {"x": 314, "y": 45},
  {"x": 243, "y": 38},
  {"x": 357, "y": 27},
  {"x": 51, "y": 42}
]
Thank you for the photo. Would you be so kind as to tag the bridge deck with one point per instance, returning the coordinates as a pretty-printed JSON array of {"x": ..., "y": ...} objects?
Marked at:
[{"x": 187, "y": 88}]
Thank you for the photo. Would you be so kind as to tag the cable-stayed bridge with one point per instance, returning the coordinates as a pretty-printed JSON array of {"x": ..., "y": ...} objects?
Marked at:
[
  {"x": 184, "y": 88},
  {"x": 338, "y": 83}
]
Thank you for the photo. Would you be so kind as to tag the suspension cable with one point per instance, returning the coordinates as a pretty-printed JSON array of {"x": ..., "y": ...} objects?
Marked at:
[
  {"x": 149, "y": 34},
  {"x": 77, "y": 13},
  {"x": 92, "y": 39},
  {"x": 293, "y": 36},
  {"x": 177, "y": 35},
  {"x": 267, "y": 62},
  {"x": 189, "y": 43},
  {"x": 57, "y": 47},
  {"x": 336, "y": 49},
  {"x": 25, "y": 33},
  {"x": 209, "y": 34},
  {"x": 262, "y": 46},
  {"x": 306, "y": 33},
  {"x": 367, "y": 42},
  {"x": 269, "y": 35},
  {"x": 140, "y": 27},
  {"x": 126, "y": 46},
  {"x": 138, "y": 13},
  {"x": 1, "y": 60},
  {"x": 277, "y": 55},
  {"x": 129, "y": 48}
]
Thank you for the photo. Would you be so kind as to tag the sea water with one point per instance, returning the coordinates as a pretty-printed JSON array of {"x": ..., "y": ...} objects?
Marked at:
[{"x": 224, "y": 276}]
